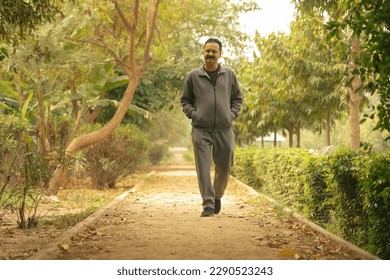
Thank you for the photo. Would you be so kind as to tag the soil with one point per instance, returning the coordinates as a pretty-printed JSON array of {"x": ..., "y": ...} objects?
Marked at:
[{"x": 160, "y": 219}]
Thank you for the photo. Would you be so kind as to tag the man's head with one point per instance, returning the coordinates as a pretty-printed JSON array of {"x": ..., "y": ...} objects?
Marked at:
[
  {"x": 214, "y": 40},
  {"x": 212, "y": 52}
]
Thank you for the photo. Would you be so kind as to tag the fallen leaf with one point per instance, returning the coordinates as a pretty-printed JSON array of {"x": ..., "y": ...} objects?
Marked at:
[
  {"x": 287, "y": 253},
  {"x": 64, "y": 246}
]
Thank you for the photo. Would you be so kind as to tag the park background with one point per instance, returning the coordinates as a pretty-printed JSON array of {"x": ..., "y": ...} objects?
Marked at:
[{"x": 92, "y": 88}]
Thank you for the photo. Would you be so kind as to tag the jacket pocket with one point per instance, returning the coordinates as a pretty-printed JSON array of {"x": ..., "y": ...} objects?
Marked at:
[{"x": 201, "y": 120}]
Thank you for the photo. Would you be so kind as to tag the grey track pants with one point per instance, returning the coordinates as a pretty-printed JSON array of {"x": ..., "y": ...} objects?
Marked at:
[{"x": 218, "y": 146}]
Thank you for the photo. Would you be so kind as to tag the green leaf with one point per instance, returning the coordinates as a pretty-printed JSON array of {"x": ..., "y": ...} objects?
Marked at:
[
  {"x": 137, "y": 110},
  {"x": 3, "y": 53},
  {"x": 115, "y": 82},
  {"x": 25, "y": 105}
]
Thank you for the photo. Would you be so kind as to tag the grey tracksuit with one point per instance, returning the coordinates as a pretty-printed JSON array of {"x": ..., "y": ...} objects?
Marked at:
[{"x": 212, "y": 110}]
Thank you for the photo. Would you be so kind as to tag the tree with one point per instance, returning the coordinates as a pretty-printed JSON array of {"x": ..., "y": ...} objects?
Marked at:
[
  {"x": 66, "y": 81},
  {"x": 118, "y": 29},
  {"x": 19, "y": 17},
  {"x": 133, "y": 63},
  {"x": 293, "y": 82},
  {"x": 64, "y": 52},
  {"x": 320, "y": 66},
  {"x": 366, "y": 22}
]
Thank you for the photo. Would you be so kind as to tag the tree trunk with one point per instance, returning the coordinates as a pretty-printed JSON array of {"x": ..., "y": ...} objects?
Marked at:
[
  {"x": 41, "y": 122},
  {"x": 327, "y": 128},
  {"x": 275, "y": 138},
  {"x": 92, "y": 117},
  {"x": 298, "y": 128},
  {"x": 94, "y": 137},
  {"x": 354, "y": 96},
  {"x": 290, "y": 134}
]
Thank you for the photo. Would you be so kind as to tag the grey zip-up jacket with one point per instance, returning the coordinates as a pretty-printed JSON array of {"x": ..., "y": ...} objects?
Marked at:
[{"x": 212, "y": 107}]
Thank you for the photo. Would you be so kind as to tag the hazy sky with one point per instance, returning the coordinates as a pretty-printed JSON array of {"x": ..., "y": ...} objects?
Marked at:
[{"x": 275, "y": 15}]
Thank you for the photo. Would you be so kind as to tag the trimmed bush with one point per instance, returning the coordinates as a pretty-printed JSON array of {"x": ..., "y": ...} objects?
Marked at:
[
  {"x": 347, "y": 191},
  {"x": 373, "y": 176},
  {"x": 316, "y": 204}
]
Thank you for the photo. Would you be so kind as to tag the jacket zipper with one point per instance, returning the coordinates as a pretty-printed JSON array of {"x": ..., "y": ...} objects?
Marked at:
[
  {"x": 215, "y": 107},
  {"x": 215, "y": 99}
]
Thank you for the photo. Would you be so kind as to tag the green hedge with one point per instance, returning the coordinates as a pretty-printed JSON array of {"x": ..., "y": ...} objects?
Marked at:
[{"x": 347, "y": 191}]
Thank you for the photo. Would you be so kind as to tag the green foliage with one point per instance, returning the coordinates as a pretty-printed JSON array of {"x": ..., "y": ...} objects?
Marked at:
[
  {"x": 116, "y": 156},
  {"x": 346, "y": 202},
  {"x": 24, "y": 173},
  {"x": 373, "y": 175},
  {"x": 245, "y": 167},
  {"x": 35, "y": 177},
  {"x": 367, "y": 20},
  {"x": 11, "y": 129},
  {"x": 347, "y": 191},
  {"x": 295, "y": 83},
  {"x": 18, "y": 17},
  {"x": 278, "y": 172},
  {"x": 316, "y": 195}
]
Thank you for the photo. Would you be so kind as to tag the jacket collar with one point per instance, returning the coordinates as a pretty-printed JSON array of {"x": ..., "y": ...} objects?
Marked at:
[{"x": 203, "y": 72}]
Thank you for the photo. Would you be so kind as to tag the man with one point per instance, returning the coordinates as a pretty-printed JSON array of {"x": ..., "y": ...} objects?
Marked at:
[{"x": 212, "y": 100}]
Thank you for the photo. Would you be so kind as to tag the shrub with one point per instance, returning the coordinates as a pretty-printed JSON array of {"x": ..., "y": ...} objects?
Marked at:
[
  {"x": 10, "y": 146},
  {"x": 244, "y": 166},
  {"x": 35, "y": 177},
  {"x": 276, "y": 172},
  {"x": 24, "y": 172},
  {"x": 316, "y": 204},
  {"x": 347, "y": 191},
  {"x": 118, "y": 155},
  {"x": 158, "y": 152},
  {"x": 373, "y": 175}
]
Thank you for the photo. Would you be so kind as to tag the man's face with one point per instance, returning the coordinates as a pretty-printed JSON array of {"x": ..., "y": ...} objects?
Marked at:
[{"x": 211, "y": 53}]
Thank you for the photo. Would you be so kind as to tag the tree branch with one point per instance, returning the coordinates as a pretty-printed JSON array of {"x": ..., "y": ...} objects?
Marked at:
[
  {"x": 150, "y": 24},
  {"x": 132, "y": 46},
  {"x": 122, "y": 15}
]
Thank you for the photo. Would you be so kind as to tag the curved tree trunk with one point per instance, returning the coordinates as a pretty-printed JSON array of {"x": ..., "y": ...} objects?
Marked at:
[{"x": 94, "y": 137}]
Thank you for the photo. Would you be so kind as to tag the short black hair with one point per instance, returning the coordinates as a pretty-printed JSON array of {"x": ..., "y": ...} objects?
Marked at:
[{"x": 214, "y": 40}]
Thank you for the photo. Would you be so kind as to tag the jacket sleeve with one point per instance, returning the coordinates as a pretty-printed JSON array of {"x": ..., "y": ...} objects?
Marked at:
[
  {"x": 188, "y": 99},
  {"x": 236, "y": 97}
]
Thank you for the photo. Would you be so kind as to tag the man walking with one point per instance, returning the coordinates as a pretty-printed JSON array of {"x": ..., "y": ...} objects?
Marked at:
[{"x": 212, "y": 100}]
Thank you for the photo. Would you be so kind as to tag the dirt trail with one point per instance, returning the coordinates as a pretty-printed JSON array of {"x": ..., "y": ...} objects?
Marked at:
[{"x": 160, "y": 219}]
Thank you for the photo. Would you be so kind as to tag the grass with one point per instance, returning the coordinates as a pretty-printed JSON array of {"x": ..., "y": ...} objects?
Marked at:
[
  {"x": 79, "y": 200},
  {"x": 66, "y": 220}
]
